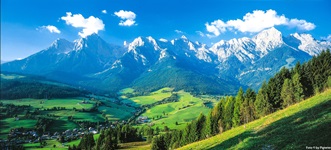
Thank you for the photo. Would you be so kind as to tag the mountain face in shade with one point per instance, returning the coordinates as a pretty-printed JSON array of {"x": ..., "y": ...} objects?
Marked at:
[{"x": 147, "y": 64}]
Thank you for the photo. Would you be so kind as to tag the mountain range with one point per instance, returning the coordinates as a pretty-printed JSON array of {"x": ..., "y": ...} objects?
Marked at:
[{"x": 147, "y": 64}]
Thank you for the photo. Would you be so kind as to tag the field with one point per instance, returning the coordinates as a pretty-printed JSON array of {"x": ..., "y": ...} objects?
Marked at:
[
  {"x": 304, "y": 124},
  {"x": 61, "y": 123},
  {"x": 42, "y": 103},
  {"x": 51, "y": 143},
  {"x": 186, "y": 109},
  {"x": 135, "y": 146},
  {"x": 125, "y": 91},
  {"x": 144, "y": 100},
  {"x": 8, "y": 123},
  {"x": 9, "y": 77},
  {"x": 117, "y": 112}
]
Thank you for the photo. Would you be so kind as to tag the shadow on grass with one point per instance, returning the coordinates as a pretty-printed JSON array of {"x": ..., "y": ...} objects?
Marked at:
[
  {"x": 61, "y": 125},
  {"x": 311, "y": 127}
]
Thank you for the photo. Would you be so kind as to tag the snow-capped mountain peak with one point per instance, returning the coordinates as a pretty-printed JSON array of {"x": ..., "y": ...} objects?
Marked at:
[
  {"x": 60, "y": 46},
  {"x": 79, "y": 44},
  {"x": 268, "y": 40},
  {"x": 141, "y": 41},
  {"x": 242, "y": 48},
  {"x": 183, "y": 37},
  {"x": 163, "y": 40},
  {"x": 136, "y": 42},
  {"x": 310, "y": 45}
]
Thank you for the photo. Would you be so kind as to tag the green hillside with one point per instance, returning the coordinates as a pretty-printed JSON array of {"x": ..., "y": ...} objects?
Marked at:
[
  {"x": 304, "y": 124},
  {"x": 16, "y": 86}
]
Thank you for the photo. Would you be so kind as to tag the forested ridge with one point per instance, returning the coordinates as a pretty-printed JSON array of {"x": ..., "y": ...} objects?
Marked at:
[{"x": 36, "y": 87}]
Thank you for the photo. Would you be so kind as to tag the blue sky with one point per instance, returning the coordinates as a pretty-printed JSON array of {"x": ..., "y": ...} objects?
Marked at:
[{"x": 30, "y": 26}]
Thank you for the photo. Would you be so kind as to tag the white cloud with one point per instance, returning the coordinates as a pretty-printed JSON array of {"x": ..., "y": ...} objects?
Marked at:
[
  {"x": 90, "y": 25},
  {"x": 179, "y": 32},
  {"x": 301, "y": 24},
  {"x": 128, "y": 18},
  {"x": 127, "y": 23},
  {"x": 125, "y": 43},
  {"x": 200, "y": 33},
  {"x": 256, "y": 21},
  {"x": 50, "y": 28},
  {"x": 104, "y": 11},
  {"x": 327, "y": 38}
]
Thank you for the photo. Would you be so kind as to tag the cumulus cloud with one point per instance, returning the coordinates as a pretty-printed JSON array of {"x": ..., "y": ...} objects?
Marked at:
[
  {"x": 50, "y": 28},
  {"x": 256, "y": 21},
  {"x": 200, "y": 33},
  {"x": 89, "y": 25},
  {"x": 127, "y": 18},
  {"x": 104, "y": 11},
  {"x": 179, "y": 32},
  {"x": 301, "y": 24}
]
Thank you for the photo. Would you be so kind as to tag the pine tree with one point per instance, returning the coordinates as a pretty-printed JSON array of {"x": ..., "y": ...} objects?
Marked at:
[
  {"x": 274, "y": 88},
  {"x": 228, "y": 113},
  {"x": 175, "y": 139},
  {"x": 216, "y": 115},
  {"x": 251, "y": 97},
  {"x": 193, "y": 136},
  {"x": 207, "y": 129},
  {"x": 237, "y": 107},
  {"x": 100, "y": 140},
  {"x": 287, "y": 93},
  {"x": 157, "y": 130},
  {"x": 328, "y": 82},
  {"x": 245, "y": 111},
  {"x": 155, "y": 145},
  {"x": 297, "y": 87},
  {"x": 186, "y": 134},
  {"x": 262, "y": 106},
  {"x": 200, "y": 125}
]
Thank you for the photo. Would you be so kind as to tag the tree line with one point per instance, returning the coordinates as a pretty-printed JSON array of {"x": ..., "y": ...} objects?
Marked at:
[
  {"x": 109, "y": 138},
  {"x": 26, "y": 88},
  {"x": 287, "y": 87}
]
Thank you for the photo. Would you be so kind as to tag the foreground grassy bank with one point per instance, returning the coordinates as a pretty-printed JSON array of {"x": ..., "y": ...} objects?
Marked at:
[{"x": 304, "y": 124}]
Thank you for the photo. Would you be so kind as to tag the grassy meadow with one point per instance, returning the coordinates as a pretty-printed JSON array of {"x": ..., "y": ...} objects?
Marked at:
[
  {"x": 48, "y": 104},
  {"x": 186, "y": 109}
]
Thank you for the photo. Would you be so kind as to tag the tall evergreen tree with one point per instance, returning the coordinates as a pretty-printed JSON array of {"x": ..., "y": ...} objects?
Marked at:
[
  {"x": 155, "y": 145},
  {"x": 207, "y": 129},
  {"x": 288, "y": 93},
  {"x": 228, "y": 113},
  {"x": 216, "y": 115},
  {"x": 328, "y": 82},
  {"x": 200, "y": 125},
  {"x": 193, "y": 134},
  {"x": 237, "y": 106},
  {"x": 100, "y": 140},
  {"x": 297, "y": 87},
  {"x": 262, "y": 105},
  {"x": 175, "y": 139}
]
